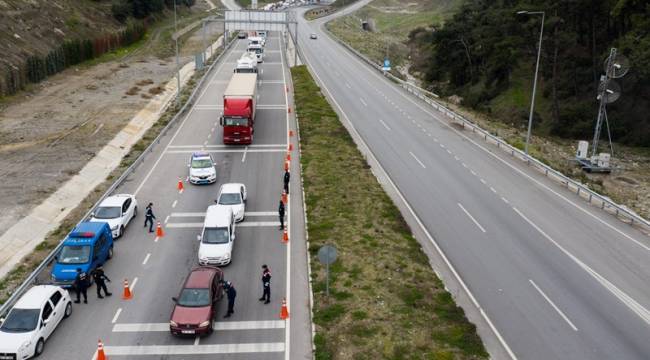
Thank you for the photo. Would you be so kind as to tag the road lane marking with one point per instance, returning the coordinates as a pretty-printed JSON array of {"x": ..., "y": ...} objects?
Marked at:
[
  {"x": 146, "y": 258},
  {"x": 135, "y": 281},
  {"x": 627, "y": 300},
  {"x": 505, "y": 200},
  {"x": 483, "y": 181},
  {"x": 471, "y": 217},
  {"x": 363, "y": 102},
  {"x": 418, "y": 160},
  {"x": 242, "y": 224},
  {"x": 553, "y": 305},
  {"x": 456, "y": 158},
  {"x": 219, "y": 326},
  {"x": 209, "y": 136},
  {"x": 448, "y": 151},
  {"x": 117, "y": 315},
  {"x": 226, "y": 146},
  {"x": 196, "y": 340},
  {"x": 383, "y": 123},
  {"x": 166, "y": 219},
  {"x": 435, "y": 139},
  {"x": 202, "y": 214},
  {"x": 174, "y": 203},
  {"x": 348, "y": 86},
  {"x": 473, "y": 173},
  {"x": 494, "y": 191},
  {"x": 243, "y": 158},
  {"x": 194, "y": 350},
  {"x": 233, "y": 150}
]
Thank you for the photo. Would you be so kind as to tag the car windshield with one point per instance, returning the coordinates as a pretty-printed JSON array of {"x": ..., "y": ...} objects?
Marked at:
[
  {"x": 108, "y": 212},
  {"x": 74, "y": 254},
  {"x": 201, "y": 163},
  {"x": 194, "y": 298},
  {"x": 246, "y": 71},
  {"x": 216, "y": 235},
  {"x": 239, "y": 121},
  {"x": 229, "y": 199},
  {"x": 21, "y": 320}
]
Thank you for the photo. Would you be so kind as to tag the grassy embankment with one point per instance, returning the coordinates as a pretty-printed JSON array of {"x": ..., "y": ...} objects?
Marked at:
[{"x": 386, "y": 301}]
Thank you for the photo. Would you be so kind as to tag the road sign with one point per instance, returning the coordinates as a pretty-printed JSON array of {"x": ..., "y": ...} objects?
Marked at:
[
  {"x": 327, "y": 255},
  {"x": 386, "y": 66}
]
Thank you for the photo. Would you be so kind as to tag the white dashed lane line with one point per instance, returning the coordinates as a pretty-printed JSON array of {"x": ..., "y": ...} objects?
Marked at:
[
  {"x": 146, "y": 259},
  {"x": 117, "y": 315},
  {"x": 383, "y": 123},
  {"x": 493, "y": 190},
  {"x": 471, "y": 217},
  {"x": 418, "y": 160},
  {"x": 363, "y": 102}
]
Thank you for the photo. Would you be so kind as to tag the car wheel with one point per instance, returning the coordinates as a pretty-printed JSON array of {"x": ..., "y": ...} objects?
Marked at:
[
  {"x": 211, "y": 329},
  {"x": 39, "y": 347},
  {"x": 68, "y": 310},
  {"x": 121, "y": 231},
  {"x": 110, "y": 253},
  {"x": 135, "y": 212}
]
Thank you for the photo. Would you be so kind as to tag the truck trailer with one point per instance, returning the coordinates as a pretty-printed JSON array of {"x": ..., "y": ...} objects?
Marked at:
[{"x": 239, "y": 103}]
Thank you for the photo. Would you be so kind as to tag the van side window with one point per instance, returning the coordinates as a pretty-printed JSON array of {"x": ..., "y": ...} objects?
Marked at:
[
  {"x": 47, "y": 311},
  {"x": 55, "y": 298}
]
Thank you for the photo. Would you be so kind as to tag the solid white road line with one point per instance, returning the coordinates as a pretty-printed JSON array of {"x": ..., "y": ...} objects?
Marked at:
[
  {"x": 471, "y": 217},
  {"x": 418, "y": 160},
  {"x": 363, "y": 102},
  {"x": 220, "y": 326},
  {"x": 132, "y": 285},
  {"x": 146, "y": 258},
  {"x": 553, "y": 305},
  {"x": 243, "y": 224},
  {"x": 383, "y": 123},
  {"x": 193, "y": 350},
  {"x": 243, "y": 158},
  {"x": 117, "y": 315},
  {"x": 627, "y": 300}
]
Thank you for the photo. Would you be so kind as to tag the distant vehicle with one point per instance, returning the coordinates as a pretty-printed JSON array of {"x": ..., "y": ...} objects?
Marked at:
[
  {"x": 313, "y": 36},
  {"x": 32, "y": 320},
  {"x": 118, "y": 211},
  {"x": 247, "y": 63},
  {"x": 87, "y": 246},
  {"x": 258, "y": 50},
  {"x": 241, "y": 35},
  {"x": 202, "y": 168},
  {"x": 262, "y": 34},
  {"x": 257, "y": 40},
  {"x": 218, "y": 236},
  {"x": 239, "y": 104},
  {"x": 233, "y": 195},
  {"x": 196, "y": 304}
]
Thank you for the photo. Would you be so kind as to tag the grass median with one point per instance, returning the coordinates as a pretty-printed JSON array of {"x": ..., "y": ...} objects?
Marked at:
[{"x": 385, "y": 300}]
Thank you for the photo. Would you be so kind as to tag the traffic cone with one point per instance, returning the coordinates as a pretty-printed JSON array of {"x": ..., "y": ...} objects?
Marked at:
[
  {"x": 290, "y": 147},
  {"x": 180, "y": 184},
  {"x": 284, "y": 312},
  {"x": 159, "y": 230},
  {"x": 284, "y": 197},
  {"x": 288, "y": 156},
  {"x": 289, "y": 109},
  {"x": 100, "y": 351},
  {"x": 127, "y": 291},
  {"x": 285, "y": 236},
  {"x": 286, "y": 165},
  {"x": 290, "y": 132}
]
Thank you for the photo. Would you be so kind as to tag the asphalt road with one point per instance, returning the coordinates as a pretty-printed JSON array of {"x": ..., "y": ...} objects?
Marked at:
[
  {"x": 156, "y": 267},
  {"x": 555, "y": 278}
]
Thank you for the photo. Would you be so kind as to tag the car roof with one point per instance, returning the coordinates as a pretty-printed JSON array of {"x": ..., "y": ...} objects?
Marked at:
[
  {"x": 115, "y": 200},
  {"x": 230, "y": 188},
  {"x": 200, "y": 154},
  {"x": 218, "y": 216},
  {"x": 35, "y": 297},
  {"x": 201, "y": 277}
]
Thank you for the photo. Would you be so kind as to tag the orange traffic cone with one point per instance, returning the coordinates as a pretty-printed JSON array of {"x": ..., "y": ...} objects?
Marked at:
[
  {"x": 100, "y": 351},
  {"x": 159, "y": 230},
  {"x": 284, "y": 312},
  {"x": 285, "y": 236},
  {"x": 288, "y": 156},
  {"x": 284, "y": 197},
  {"x": 180, "y": 184},
  {"x": 286, "y": 165},
  {"x": 290, "y": 132},
  {"x": 290, "y": 147},
  {"x": 127, "y": 291},
  {"x": 289, "y": 109}
]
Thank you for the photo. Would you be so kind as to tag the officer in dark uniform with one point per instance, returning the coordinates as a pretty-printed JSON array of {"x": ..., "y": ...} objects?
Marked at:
[
  {"x": 149, "y": 217},
  {"x": 100, "y": 279},
  {"x": 281, "y": 214},
  {"x": 81, "y": 284},
  {"x": 287, "y": 177},
  {"x": 266, "y": 284},
  {"x": 231, "y": 293}
]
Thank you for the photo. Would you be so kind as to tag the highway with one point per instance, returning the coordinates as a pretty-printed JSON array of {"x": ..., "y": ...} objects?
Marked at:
[
  {"x": 555, "y": 278},
  {"x": 156, "y": 267}
]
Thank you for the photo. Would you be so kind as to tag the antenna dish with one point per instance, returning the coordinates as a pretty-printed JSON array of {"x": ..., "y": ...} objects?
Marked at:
[
  {"x": 620, "y": 66},
  {"x": 611, "y": 93}
]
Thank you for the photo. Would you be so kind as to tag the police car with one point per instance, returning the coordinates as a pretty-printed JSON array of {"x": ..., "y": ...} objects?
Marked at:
[
  {"x": 32, "y": 320},
  {"x": 118, "y": 211},
  {"x": 202, "y": 168}
]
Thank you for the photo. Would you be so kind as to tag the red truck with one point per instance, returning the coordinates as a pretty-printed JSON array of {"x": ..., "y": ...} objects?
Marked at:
[{"x": 239, "y": 102}]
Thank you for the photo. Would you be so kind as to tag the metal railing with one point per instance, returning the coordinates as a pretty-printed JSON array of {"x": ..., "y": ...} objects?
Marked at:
[
  {"x": 582, "y": 190},
  {"x": 31, "y": 279}
]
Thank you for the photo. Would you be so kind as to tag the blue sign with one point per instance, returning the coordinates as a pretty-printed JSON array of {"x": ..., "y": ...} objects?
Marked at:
[{"x": 386, "y": 66}]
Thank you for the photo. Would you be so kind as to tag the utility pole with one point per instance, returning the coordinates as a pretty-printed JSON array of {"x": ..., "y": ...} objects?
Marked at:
[{"x": 178, "y": 67}]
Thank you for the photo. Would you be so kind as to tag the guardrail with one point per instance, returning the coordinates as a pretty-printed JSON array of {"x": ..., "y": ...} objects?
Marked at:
[
  {"x": 582, "y": 190},
  {"x": 31, "y": 279}
]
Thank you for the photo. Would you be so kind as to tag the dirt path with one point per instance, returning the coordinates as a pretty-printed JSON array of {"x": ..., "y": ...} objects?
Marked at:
[{"x": 49, "y": 133}]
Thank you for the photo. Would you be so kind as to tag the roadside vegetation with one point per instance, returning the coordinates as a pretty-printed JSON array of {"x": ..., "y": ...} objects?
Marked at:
[{"x": 385, "y": 300}]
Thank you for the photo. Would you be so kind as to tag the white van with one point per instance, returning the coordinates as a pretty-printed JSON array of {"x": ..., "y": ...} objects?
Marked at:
[
  {"x": 256, "y": 40},
  {"x": 217, "y": 237},
  {"x": 258, "y": 50}
]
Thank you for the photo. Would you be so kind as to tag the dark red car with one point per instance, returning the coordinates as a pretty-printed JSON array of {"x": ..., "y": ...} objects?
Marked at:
[{"x": 197, "y": 302}]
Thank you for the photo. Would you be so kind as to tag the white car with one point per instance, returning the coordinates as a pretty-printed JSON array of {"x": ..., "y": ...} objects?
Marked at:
[
  {"x": 217, "y": 237},
  {"x": 313, "y": 36},
  {"x": 202, "y": 168},
  {"x": 233, "y": 195},
  {"x": 117, "y": 210},
  {"x": 32, "y": 320}
]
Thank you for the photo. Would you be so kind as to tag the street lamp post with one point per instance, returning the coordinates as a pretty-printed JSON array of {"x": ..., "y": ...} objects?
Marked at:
[
  {"x": 539, "y": 51},
  {"x": 178, "y": 68}
]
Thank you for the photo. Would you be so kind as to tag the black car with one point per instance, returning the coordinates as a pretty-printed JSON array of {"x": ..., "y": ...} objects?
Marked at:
[{"x": 241, "y": 35}]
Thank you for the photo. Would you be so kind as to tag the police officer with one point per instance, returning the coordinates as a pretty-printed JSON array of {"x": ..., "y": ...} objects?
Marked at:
[
  {"x": 287, "y": 177},
  {"x": 81, "y": 284},
  {"x": 231, "y": 293},
  {"x": 266, "y": 284},
  {"x": 100, "y": 279},
  {"x": 281, "y": 214},
  {"x": 149, "y": 217}
]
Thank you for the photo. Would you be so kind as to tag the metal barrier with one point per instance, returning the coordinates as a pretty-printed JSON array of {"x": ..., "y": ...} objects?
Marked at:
[
  {"x": 592, "y": 197},
  {"x": 31, "y": 279}
]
